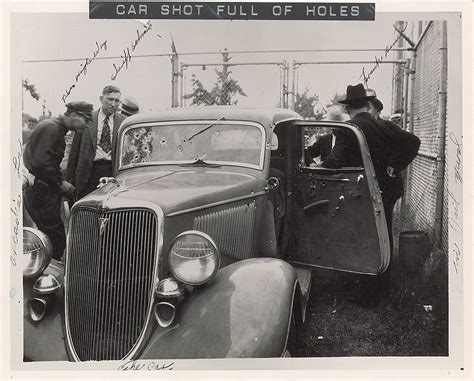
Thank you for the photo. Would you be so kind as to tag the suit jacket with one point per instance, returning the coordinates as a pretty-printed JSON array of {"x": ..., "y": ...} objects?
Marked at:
[
  {"x": 83, "y": 149},
  {"x": 321, "y": 147},
  {"x": 402, "y": 145},
  {"x": 402, "y": 148},
  {"x": 346, "y": 151}
]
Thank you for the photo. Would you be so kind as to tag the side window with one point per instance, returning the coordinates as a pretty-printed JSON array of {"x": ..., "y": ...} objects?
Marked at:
[{"x": 330, "y": 147}]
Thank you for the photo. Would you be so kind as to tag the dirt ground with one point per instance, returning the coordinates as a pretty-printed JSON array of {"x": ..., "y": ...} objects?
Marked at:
[{"x": 411, "y": 321}]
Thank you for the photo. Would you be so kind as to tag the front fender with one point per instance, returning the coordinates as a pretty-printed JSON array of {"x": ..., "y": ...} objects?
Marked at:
[
  {"x": 44, "y": 340},
  {"x": 244, "y": 312}
]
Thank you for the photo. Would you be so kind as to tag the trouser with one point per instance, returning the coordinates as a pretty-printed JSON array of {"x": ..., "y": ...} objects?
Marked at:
[
  {"x": 43, "y": 203},
  {"x": 100, "y": 168},
  {"x": 378, "y": 286}
]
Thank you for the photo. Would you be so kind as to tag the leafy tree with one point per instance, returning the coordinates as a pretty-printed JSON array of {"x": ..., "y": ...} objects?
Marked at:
[
  {"x": 222, "y": 93},
  {"x": 305, "y": 105},
  {"x": 30, "y": 88},
  {"x": 25, "y": 118}
]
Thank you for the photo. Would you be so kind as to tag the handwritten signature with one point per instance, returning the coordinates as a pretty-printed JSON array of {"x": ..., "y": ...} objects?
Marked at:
[
  {"x": 455, "y": 204},
  {"x": 16, "y": 160},
  {"x": 458, "y": 163},
  {"x": 83, "y": 68},
  {"x": 146, "y": 365},
  {"x": 15, "y": 209},
  {"x": 127, "y": 52},
  {"x": 379, "y": 60},
  {"x": 457, "y": 257}
]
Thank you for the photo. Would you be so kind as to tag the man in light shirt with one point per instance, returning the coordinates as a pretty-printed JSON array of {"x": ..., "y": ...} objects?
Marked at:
[{"x": 92, "y": 153}]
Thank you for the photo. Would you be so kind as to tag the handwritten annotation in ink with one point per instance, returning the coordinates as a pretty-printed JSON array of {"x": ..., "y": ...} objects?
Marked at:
[
  {"x": 146, "y": 365},
  {"x": 127, "y": 52},
  {"x": 82, "y": 72}
]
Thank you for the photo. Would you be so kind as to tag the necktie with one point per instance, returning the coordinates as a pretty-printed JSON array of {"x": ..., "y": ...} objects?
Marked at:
[{"x": 105, "y": 136}]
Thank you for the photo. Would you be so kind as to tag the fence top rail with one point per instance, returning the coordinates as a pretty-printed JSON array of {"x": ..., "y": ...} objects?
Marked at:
[
  {"x": 217, "y": 52},
  {"x": 186, "y": 65},
  {"x": 97, "y": 58},
  {"x": 402, "y": 62},
  {"x": 293, "y": 51}
]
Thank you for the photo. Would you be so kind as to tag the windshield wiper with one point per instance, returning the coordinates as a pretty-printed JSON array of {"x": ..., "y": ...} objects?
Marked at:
[
  {"x": 199, "y": 163},
  {"x": 203, "y": 130}
]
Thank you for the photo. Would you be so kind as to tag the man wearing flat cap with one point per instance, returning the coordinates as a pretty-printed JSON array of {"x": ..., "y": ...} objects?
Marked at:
[
  {"x": 42, "y": 157},
  {"x": 92, "y": 152}
]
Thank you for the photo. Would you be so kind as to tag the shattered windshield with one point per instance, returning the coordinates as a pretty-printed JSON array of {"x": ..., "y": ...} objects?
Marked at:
[{"x": 212, "y": 142}]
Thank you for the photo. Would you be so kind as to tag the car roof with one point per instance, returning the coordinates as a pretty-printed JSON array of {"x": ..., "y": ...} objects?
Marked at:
[{"x": 268, "y": 117}]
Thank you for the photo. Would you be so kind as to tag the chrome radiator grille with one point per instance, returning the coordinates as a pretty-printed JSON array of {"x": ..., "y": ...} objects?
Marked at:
[
  {"x": 109, "y": 280},
  {"x": 232, "y": 229}
]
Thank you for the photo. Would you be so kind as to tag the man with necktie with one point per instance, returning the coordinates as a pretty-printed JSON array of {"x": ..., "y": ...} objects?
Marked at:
[{"x": 92, "y": 153}]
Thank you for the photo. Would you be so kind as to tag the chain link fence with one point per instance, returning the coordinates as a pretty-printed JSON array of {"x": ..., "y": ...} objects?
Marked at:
[{"x": 223, "y": 80}]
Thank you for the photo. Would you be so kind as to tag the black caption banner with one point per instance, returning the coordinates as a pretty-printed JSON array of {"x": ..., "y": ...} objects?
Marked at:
[{"x": 231, "y": 11}]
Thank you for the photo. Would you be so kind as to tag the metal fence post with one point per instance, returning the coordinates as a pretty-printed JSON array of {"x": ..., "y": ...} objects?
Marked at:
[
  {"x": 406, "y": 73},
  {"x": 293, "y": 86},
  {"x": 174, "y": 79},
  {"x": 285, "y": 85}
]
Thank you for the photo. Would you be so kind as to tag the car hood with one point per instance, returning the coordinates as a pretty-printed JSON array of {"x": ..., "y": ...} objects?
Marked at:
[{"x": 178, "y": 189}]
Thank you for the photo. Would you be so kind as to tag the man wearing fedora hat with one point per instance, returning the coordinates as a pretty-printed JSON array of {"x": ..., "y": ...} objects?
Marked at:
[
  {"x": 92, "y": 153},
  {"x": 388, "y": 157},
  {"x": 402, "y": 148},
  {"x": 347, "y": 151},
  {"x": 42, "y": 157}
]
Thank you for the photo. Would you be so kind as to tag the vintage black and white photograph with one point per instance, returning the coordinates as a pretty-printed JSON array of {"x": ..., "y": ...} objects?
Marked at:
[{"x": 282, "y": 189}]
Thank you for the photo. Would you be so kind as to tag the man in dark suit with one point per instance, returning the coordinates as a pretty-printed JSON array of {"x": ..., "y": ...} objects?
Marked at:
[
  {"x": 346, "y": 151},
  {"x": 92, "y": 153},
  {"x": 402, "y": 148},
  {"x": 42, "y": 157},
  {"x": 320, "y": 149},
  {"x": 317, "y": 153},
  {"x": 388, "y": 156}
]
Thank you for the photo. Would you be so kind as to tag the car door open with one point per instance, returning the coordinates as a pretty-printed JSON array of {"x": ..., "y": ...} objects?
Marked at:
[{"x": 339, "y": 216}]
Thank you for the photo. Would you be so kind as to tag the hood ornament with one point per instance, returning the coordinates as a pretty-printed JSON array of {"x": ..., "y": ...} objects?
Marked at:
[{"x": 102, "y": 224}]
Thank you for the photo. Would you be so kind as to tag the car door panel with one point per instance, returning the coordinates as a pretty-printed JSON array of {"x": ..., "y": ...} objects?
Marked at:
[{"x": 339, "y": 217}]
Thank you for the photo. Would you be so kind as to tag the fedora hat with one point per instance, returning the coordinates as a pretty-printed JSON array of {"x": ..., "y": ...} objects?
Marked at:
[
  {"x": 376, "y": 102},
  {"x": 336, "y": 114},
  {"x": 129, "y": 106},
  {"x": 355, "y": 94}
]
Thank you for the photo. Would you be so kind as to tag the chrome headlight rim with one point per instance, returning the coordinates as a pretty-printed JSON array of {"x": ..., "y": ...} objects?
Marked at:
[
  {"x": 214, "y": 246},
  {"x": 47, "y": 249}
]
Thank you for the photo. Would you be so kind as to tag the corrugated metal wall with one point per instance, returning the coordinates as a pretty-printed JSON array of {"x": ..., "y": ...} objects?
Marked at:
[{"x": 421, "y": 189}]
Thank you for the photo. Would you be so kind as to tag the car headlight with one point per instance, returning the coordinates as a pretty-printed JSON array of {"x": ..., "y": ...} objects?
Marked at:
[
  {"x": 194, "y": 258},
  {"x": 37, "y": 252}
]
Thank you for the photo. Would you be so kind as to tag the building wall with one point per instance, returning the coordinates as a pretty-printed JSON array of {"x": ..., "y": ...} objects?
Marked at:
[{"x": 421, "y": 188}]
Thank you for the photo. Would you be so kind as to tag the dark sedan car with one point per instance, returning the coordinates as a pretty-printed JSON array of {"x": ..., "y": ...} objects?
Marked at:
[{"x": 202, "y": 244}]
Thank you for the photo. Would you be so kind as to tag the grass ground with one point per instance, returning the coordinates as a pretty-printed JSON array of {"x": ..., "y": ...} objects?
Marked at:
[{"x": 412, "y": 321}]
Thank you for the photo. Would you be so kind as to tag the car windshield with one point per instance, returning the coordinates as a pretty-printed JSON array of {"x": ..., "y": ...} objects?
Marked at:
[{"x": 212, "y": 142}]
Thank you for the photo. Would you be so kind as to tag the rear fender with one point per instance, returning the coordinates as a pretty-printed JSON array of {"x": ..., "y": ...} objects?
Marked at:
[{"x": 244, "y": 312}]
